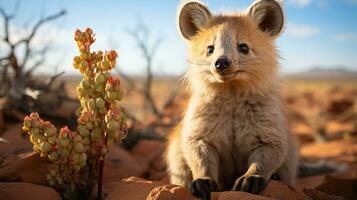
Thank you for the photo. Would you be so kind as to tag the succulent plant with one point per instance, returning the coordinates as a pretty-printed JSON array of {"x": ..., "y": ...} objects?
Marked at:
[{"x": 101, "y": 119}]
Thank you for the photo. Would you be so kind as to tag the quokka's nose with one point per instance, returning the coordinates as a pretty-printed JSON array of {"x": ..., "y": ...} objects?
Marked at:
[{"x": 222, "y": 63}]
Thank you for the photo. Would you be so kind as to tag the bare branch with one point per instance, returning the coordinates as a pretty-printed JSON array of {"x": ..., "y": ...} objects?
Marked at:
[
  {"x": 128, "y": 80},
  {"x": 39, "y": 24},
  {"x": 141, "y": 37},
  {"x": 28, "y": 39},
  {"x": 43, "y": 52},
  {"x": 7, "y": 18},
  {"x": 53, "y": 78}
]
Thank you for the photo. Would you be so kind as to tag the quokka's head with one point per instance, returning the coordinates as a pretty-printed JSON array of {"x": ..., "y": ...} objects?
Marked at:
[{"x": 231, "y": 49}]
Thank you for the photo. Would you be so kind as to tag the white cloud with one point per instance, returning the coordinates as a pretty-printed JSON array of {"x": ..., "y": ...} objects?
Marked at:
[
  {"x": 300, "y": 3},
  {"x": 346, "y": 37},
  {"x": 301, "y": 30}
]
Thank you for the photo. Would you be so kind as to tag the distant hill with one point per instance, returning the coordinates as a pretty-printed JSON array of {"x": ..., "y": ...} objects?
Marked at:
[{"x": 321, "y": 73}]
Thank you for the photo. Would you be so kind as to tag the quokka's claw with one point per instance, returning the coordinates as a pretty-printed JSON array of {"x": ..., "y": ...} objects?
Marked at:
[
  {"x": 202, "y": 188},
  {"x": 252, "y": 184}
]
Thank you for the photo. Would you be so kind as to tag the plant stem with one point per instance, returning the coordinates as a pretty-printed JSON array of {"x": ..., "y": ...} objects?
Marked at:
[
  {"x": 101, "y": 167},
  {"x": 100, "y": 180}
]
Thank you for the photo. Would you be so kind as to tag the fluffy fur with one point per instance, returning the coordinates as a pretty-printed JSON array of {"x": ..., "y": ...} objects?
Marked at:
[{"x": 234, "y": 126}]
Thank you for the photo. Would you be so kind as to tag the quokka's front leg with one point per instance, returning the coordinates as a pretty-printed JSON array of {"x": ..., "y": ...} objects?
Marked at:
[
  {"x": 202, "y": 159},
  {"x": 262, "y": 164}
]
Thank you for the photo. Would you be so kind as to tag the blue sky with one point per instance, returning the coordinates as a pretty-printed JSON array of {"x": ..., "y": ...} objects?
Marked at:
[{"x": 318, "y": 32}]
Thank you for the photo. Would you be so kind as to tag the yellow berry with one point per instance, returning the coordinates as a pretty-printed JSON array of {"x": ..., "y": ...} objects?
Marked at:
[
  {"x": 99, "y": 79},
  {"x": 105, "y": 65},
  {"x": 84, "y": 55},
  {"x": 113, "y": 125},
  {"x": 59, "y": 180},
  {"x": 112, "y": 95},
  {"x": 84, "y": 65},
  {"x": 48, "y": 132},
  {"x": 77, "y": 59},
  {"x": 35, "y": 131},
  {"x": 34, "y": 138},
  {"x": 27, "y": 124},
  {"x": 89, "y": 125},
  {"x": 53, "y": 156},
  {"x": 64, "y": 153},
  {"x": 45, "y": 147},
  {"x": 96, "y": 134},
  {"x": 99, "y": 102},
  {"x": 82, "y": 157},
  {"x": 52, "y": 182},
  {"x": 88, "y": 73},
  {"x": 63, "y": 142},
  {"x": 91, "y": 104},
  {"x": 78, "y": 147},
  {"x": 106, "y": 75},
  {"x": 85, "y": 84}
]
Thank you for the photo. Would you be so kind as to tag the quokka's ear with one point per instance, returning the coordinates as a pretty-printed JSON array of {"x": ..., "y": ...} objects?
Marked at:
[
  {"x": 192, "y": 16},
  {"x": 269, "y": 16}
]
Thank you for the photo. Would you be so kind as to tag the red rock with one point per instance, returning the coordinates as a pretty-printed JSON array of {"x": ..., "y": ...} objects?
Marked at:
[
  {"x": 121, "y": 164},
  {"x": 136, "y": 189},
  {"x": 27, "y": 191},
  {"x": 148, "y": 150},
  {"x": 171, "y": 192},
  {"x": 17, "y": 144},
  {"x": 2, "y": 120},
  {"x": 317, "y": 195},
  {"x": 132, "y": 188},
  {"x": 344, "y": 187},
  {"x": 28, "y": 167},
  {"x": 309, "y": 182},
  {"x": 279, "y": 190},
  {"x": 341, "y": 150},
  {"x": 149, "y": 153},
  {"x": 239, "y": 196}
]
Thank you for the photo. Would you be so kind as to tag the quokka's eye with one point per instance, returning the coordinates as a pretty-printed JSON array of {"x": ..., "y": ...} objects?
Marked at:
[
  {"x": 243, "y": 48},
  {"x": 210, "y": 49}
]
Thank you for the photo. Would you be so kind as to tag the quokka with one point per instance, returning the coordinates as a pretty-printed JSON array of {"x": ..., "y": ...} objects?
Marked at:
[{"x": 234, "y": 134}]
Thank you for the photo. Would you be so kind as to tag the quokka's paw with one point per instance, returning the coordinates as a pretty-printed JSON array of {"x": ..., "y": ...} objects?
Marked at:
[
  {"x": 252, "y": 184},
  {"x": 202, "y": 188}
]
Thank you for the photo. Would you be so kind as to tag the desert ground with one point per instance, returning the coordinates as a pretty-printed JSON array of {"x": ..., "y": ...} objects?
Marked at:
[{"x": 322, "y": 113}]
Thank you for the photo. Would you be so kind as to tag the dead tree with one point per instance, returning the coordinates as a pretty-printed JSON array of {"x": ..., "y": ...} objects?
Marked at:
[
  {"x": 148, "y": 47},
  {"x": 20, "y": 91}
]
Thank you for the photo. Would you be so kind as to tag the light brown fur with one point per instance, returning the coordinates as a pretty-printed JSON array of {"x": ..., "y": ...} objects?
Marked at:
[{"x": 234, "y": 125}]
